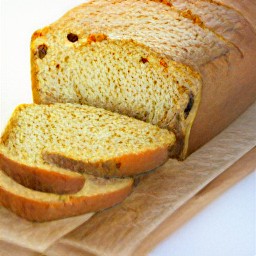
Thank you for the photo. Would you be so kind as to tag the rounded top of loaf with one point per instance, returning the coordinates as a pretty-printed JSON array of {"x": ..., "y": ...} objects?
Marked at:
[{"x": 174, "y": 34}]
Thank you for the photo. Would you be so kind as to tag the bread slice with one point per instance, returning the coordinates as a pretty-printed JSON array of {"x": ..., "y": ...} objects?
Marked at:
[
  {"x": 138, "y": 58},
  {"x": 97, "y": 194},
  {"x": 81, "y": 138}
]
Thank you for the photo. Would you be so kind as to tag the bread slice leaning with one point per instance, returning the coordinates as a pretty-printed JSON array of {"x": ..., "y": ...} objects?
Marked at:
[
  {"x": 81, "y": 138},
  {"x": 96, "y": 194}
]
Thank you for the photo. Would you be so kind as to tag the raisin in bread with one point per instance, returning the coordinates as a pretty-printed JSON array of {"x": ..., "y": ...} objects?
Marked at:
[
  {"x": 41, "y": 140},
  {"x": 150, "y": 60}
]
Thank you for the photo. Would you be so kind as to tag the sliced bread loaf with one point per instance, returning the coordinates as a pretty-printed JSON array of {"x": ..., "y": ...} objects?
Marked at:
[
  {"x": 149, "y": 59},
  {"x": 97, "y": 194},
  {"x": 126, "y": 56},
  {"x": 81, "y": 138}
]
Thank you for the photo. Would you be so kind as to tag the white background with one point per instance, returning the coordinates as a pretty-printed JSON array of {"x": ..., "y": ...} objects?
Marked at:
[{"x": 225, "y": 228}]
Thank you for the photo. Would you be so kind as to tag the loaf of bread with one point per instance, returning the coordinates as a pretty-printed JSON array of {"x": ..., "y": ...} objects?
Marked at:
[
  {"x": 81, "y": 138},
  {"x": 164, "y": 62},
  {"x": 183, "y": 68},
  {"x": 97, "y": 194}
]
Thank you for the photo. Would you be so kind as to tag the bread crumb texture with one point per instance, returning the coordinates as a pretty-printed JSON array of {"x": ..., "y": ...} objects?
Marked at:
[{"x": 81, "y": 132}]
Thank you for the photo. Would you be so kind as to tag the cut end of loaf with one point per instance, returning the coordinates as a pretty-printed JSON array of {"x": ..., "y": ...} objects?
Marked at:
[{"x": 127, "y": 78}]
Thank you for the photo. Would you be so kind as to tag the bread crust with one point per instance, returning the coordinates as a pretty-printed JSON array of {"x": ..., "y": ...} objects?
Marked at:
[
  {"x": 40, "y": 179},
  {"x": 34, "y": 67},
  {"x": 40, "y": 211},
  {"x": 126, "y": 165},
  {"x": 231, "y": 72},
  {"x": 229, "y": 84},
  {"x": 246, "y": 7},
  {"x": 229, "y": 79},
  {"x": 34, "y": 80}
]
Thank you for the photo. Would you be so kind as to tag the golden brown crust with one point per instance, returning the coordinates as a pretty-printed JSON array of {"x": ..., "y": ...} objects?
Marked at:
[
  {"x": 40, "y": 211},
  {"x": 197, "y": 20},
  {"x": 34, "y": 79},
  {"x": 12, "y": 122},
  {"x": 34, "y": 68},
  {"x": 229, "y": 87},
  {"x": 146, "y": 161},
  {"x": 229, "y": 83},
  {"x": 247, "y": 8},
  {"x": 126, "y": 165},
  {"x": 40, "y": 179}
]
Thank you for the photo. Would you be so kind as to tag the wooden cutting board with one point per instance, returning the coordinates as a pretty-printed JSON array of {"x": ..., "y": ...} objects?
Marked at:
[{"x": 163, "y": 201}]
